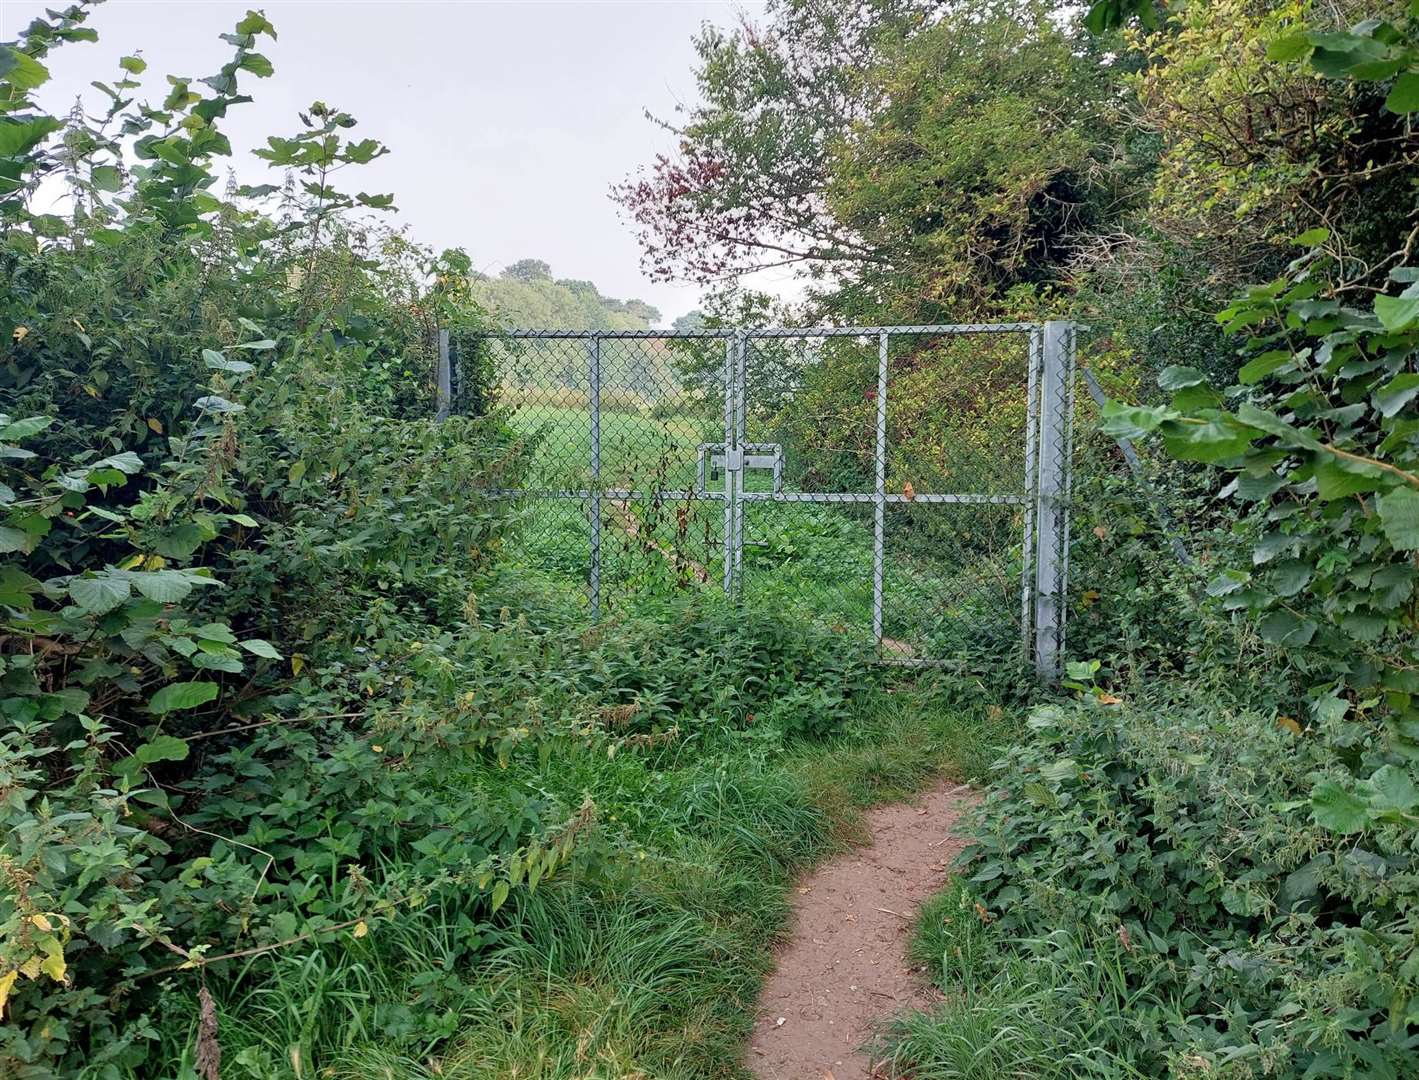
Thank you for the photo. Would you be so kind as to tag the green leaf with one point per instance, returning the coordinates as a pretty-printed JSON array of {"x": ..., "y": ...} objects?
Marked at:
[
  {"x": 1176, "y": 377},
  {"x": 1396, "y": 312},
  {"x": 134, "y": 65},
  {"x": 162, "y": 748},
  {"x": 99, "y": 595},
  {"x": 1210, "y": 441},
  {"x": 1404, "y": 94},
  {"x": 1132, "y": 421},
  {"x": 1269, "y": 422},
  {"x": 1255, "y": 370},
  {"x": 18, "y": 430},
  {"x": 221, "y": 363},
  {"x": 500, "y": 891},
  {"x": 19, "y": 137},
  {"x": 256, "y": 23},
  {"x": 126, "y": 462},
  {"x": 1281, "y": 627},
  {"x": 13, "y": 539},
  {"x": 106, "y": 178},
  {"x": 21, "y": 70},
  {"x": 1311, "y": 237},
  {"x": 168, "y": 586},
  {"x": 1336, "y": 809},
  {"x": 1399, "y": 518},
  {"x": 257, "y": 64},
  {"x": 1338, "y": 478},
  {"x": 265, "y": 649},
  {"x": 1289, "y": 576},
  {"x": 1290, "y": 47},
  {"x": 1392, "y": 791},
  {"x": 182, "y": 695},
  {"x": 1397, "y": 393}
]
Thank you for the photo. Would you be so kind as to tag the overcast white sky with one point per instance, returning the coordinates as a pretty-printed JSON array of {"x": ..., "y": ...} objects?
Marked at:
[{"x": 507, "y": 121}]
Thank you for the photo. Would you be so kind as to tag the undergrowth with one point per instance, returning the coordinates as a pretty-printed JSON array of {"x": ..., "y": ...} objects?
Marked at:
[{"x": 644, "y": 957}]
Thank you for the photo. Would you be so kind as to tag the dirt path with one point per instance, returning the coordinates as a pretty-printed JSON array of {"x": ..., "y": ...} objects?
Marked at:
[{"x": 845, "y": 969}]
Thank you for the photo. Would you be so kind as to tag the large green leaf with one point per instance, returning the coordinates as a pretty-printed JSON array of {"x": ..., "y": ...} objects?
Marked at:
[
  {"x": 1339, "y": 478},
  {"x": 1268, "y": 362},
  {"x": 1208, "y": 441},
  {"x": 1393, "y": 791},
  {"x": 1177, "y": 377},
  {"x": 17, "y": 430},
  {"x": 1269, "y": 422},
  {"x": 168, "y": 586},
  {"x": 1399, "y": 518},
  {"x": 1335, "y": 808},
  {"x": 182, "y": 695},
  {"x": 1282, "y": 627},
  {"x": 162, "y": 748},
  {"x": 99, "y": 595},
  {"x": 1397, "y": 312},
  {"x": 21, "y": 70},
  {"x": 1397, "y": 393},
  {"x": 1404, "y": 94}
]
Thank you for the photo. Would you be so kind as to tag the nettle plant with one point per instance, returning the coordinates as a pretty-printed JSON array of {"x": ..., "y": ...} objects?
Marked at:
[
  {"x": 1321, "y": 438},
  {"x": 1321, "y": 435}
]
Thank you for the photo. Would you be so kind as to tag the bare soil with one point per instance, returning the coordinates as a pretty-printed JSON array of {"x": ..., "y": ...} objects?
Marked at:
[{"x": 844, "y": 970}]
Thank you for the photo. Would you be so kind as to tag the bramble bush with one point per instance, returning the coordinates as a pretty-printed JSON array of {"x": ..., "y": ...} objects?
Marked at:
[
  {"x": 232, "y": 566},
  {"x": 1220, "y": 867}
]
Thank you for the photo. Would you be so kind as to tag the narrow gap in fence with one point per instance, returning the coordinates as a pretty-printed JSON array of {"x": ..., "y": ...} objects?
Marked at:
[{"x": 1135, "y": 465}]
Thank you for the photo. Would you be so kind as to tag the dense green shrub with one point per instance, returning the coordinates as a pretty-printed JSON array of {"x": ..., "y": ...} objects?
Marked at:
[{"x": 1179, "y": 835}]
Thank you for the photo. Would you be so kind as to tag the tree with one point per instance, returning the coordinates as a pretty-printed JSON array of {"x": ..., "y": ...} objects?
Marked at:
[
  {"x": 528, "y": 270},
  {"x": 917, "y": 159}
]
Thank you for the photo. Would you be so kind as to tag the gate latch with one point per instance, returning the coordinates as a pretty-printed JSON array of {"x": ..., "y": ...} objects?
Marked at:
[{"x": 715, "y": 457}]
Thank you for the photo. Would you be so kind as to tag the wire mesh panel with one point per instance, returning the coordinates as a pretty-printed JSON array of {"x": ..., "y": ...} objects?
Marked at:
[
  {"x": 905, "y": 494},
  {"x": 888, "y": 482},
  {"x": 610, "y": 435}
]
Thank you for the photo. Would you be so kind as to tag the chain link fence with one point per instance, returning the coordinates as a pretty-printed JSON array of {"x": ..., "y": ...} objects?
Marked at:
[{"x": 908, "y": 485}]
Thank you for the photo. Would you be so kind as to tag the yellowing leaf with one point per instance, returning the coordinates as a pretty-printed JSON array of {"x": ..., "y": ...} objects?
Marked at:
[
  {"x": 41, "y": 922},
  {"x": 1289, "y": 724},
  {"x": 21, "y": 332},
  {"x": 155, "y": 425},
  {"x": 53, "y": 964},
  {"x": 297, "y": 663},
  {"x": 361, "y": 929},
  {"x": 7, "y": 983},
  {"x": 1110, "y": 699}
]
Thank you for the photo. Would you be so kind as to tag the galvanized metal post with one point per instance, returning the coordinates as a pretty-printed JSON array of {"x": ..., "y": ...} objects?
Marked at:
[
  {"x": 879, "y": 506},
  {"x": 1032, "y": 450},
  {"x": 443, "y": 394},
  {"x": 595, "y": 380},
  {"x": 729, "y": 369},
  {"x": 735, "y": 457},
  {"x": 1051, "y": 539}
]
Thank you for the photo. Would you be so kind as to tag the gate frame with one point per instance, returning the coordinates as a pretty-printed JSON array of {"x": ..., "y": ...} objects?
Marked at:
[{"x": 1047, "y": 480}]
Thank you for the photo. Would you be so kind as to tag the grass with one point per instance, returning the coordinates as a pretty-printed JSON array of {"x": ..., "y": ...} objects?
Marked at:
[
  {"x": 1050, "y": 1012},
  {"x": 646, "y": 962}
]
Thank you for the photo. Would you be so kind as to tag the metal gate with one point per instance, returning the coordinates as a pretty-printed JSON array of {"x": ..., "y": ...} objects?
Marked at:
[{"x": 908, "y": 484}]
